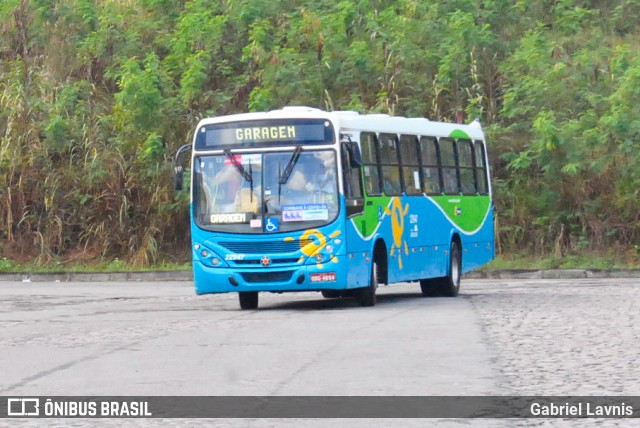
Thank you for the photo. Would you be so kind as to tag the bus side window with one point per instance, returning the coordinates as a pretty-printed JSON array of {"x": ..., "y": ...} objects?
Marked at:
[
  {"x": 480, "y": 163},
  {"x": 448, "y": 163},
  {"x": 370, "y": 164},
  {"x": 467, "y": 173},
  {"x": 410, "y": 164},
  {"x": 392, "y": 183},
  {"x": 430, "y": 169}
]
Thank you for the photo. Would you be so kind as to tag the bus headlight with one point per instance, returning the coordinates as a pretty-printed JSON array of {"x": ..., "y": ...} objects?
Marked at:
[
  {"x": 207, "y": 256},
  {"x": 321, "y": 257}
]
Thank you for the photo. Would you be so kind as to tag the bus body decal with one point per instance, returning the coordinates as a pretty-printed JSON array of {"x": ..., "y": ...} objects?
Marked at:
[
  {"x": 398, "y": 214},
  {"x": 371, "y": 217},
  {"x": 459, "y": 221}
]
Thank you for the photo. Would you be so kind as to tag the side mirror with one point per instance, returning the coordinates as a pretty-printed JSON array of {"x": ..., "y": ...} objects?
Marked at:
[
  {"x": 178, "y": 169},
  {"x": 356, "y": 156},
  {"x": 179, "y": 174}
]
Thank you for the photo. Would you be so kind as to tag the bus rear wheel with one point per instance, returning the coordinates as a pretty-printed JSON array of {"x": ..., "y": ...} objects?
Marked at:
[
  {"x": 248, "y": 299},
  {"x": 449, "y": 285},
  {"x": 430, "y": 287},
  {"x": 367, "y": 296}
]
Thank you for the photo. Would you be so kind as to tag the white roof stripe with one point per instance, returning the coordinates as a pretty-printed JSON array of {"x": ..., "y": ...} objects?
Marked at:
[{"x": 349, "y": 120}]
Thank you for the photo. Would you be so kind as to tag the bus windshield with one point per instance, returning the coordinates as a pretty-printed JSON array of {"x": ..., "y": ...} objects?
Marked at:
[{"x": 265, "y": 192}]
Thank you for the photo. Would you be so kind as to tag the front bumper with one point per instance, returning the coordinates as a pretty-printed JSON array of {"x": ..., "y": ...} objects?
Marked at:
[{"x": 278, "y": 279}]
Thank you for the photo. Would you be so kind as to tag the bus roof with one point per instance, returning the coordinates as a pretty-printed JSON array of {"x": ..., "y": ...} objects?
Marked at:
[{"x": 353, "y": 121}]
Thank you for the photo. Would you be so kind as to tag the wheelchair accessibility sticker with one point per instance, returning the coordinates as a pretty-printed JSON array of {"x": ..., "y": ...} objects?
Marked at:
[{"x": 271, "y": 225}]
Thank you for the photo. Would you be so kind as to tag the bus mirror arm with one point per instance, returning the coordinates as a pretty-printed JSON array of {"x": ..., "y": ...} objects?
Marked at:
[{"x": 178, "y": 169}]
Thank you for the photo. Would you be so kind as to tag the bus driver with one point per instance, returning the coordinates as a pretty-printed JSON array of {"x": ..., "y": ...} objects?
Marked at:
[{"x": 233, "y": 194}]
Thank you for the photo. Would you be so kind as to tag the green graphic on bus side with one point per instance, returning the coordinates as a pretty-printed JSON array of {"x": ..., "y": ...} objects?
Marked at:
[
  {"x": 375, "y": 208},
  {"x": 458, "y": 134},
  {"x": 465, "y": 212}
]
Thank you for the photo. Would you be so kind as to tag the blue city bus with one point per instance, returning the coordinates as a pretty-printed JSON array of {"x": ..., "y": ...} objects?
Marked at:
[{"x": 300, "y": 199}]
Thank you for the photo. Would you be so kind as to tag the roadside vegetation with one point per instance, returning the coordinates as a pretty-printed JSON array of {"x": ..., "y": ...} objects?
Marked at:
[
  {"x": 116, "y": 265},
  {"x": 95, "y": 97},
  {"x": 603, "y": 261}
]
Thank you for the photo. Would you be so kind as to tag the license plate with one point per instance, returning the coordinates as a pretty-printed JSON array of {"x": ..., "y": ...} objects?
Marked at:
[{"x": 323, "y": 277}]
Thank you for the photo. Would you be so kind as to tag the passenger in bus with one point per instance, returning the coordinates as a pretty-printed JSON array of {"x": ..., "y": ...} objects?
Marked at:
[
  {"x": 226, "y": 185},
  {"x": 390, "y": 187},
  {"x": 450, "y": 180},
  {"x": 208, "y": 176},
  {"x": 431, "y": 181},
  {"x": 235, "y": 194},
  {"x": 248, "y": 198}
]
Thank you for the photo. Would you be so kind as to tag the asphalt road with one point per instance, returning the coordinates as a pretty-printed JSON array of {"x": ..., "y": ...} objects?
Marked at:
[{"x": 499, "y": 337}]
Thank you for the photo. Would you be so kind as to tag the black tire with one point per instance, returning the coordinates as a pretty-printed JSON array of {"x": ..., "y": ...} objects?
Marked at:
[
  {"x": 430, "y": 287},
  {"x": 248, "y": 299},
  {"x": 366, "y": 296},
  {"x": 449, "y": 285},
  {"x": 330, "y": 294}
]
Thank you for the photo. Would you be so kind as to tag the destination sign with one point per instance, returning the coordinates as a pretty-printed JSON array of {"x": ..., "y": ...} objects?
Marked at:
[{"x": 264, "y": 133}]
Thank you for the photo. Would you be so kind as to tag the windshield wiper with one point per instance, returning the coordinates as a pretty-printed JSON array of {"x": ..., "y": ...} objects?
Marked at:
[
  {"x": 289, "y": 168},
  {"x": 250, "y": 182},
  {"x": 243, "y": 172}
]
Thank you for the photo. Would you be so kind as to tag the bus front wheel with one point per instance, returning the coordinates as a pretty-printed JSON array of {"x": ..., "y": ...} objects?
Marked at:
[
  {"x": 367, "y": 296},
  {"x": 248, "y": 299}
]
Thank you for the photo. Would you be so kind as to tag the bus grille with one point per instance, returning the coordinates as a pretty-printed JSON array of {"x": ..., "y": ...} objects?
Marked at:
[
  {"x": 267, "y": 276},
  {"x": 273, "y": 261},
  {"x": 265, "y": 247}
]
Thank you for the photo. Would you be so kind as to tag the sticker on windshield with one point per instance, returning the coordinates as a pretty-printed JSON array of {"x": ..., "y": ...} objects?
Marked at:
[
  {"x": 305, "y": 212},
  {"x": 229, "y": 218},
  {"x": 246, "y": 159},
  {"x": 271, "y": 225}
]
